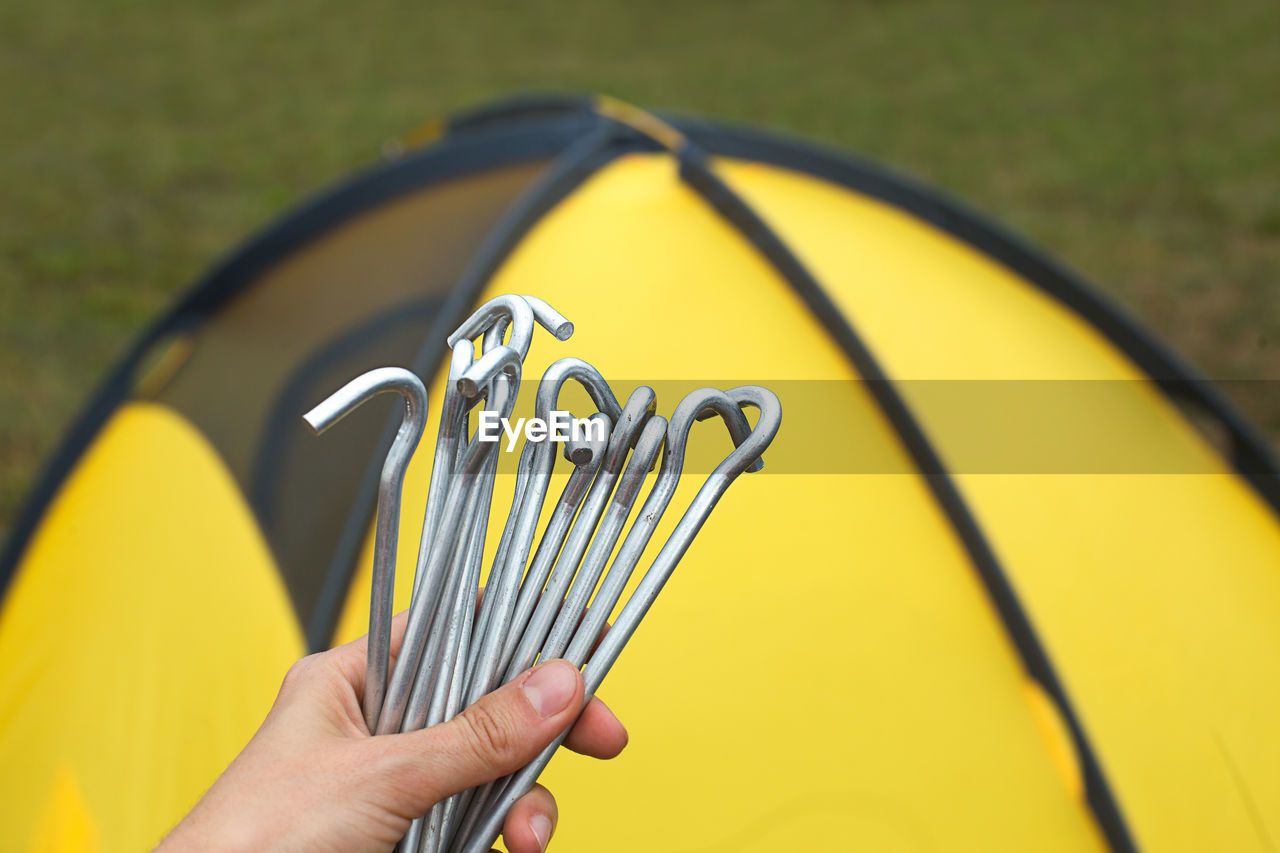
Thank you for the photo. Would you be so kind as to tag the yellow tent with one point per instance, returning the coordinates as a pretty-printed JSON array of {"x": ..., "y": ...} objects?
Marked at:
[{"x": 998, "y": 588}]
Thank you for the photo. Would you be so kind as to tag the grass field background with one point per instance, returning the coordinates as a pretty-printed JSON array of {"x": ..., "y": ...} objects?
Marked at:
[{"x": 1138, "y": 142}]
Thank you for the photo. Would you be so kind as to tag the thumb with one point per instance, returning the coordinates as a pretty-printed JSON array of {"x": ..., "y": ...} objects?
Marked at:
[{"x": 499, "y": 734}]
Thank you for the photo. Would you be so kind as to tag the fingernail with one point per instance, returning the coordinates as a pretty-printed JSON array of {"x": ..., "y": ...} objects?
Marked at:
[
  {"x": 551, "y": 687},
  {"x": 541, "y": 826}
]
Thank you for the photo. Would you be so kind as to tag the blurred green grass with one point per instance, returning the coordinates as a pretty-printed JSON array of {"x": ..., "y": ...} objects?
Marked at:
[{"x": 1139, "y": 142}]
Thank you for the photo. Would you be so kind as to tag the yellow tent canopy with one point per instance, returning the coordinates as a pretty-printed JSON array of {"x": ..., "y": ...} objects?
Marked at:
[{"x": 997, "y": 589}]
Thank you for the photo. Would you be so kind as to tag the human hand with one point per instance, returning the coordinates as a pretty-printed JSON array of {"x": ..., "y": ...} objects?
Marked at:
[{"x": 313, "y": 779}]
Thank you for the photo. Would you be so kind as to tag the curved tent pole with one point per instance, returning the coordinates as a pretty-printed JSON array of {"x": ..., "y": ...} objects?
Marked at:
[{"x": 697, "y": 173}]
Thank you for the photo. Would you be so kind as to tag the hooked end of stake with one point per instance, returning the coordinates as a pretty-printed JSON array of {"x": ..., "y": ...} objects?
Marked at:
[
  {"x": 318, "y": 420},
  {"x": 706, "y": 414},
  {"x": 564, "y": 331}
]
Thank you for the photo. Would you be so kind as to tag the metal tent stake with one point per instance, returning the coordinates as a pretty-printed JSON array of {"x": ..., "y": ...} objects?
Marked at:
[{"x": 459, "y": 645}]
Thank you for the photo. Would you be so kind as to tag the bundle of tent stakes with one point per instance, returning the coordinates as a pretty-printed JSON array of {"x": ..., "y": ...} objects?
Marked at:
[{"x": 459, "y": 645}]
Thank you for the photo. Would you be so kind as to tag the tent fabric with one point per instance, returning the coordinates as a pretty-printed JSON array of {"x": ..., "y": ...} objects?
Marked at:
[{"x": 919, "y": 654}]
